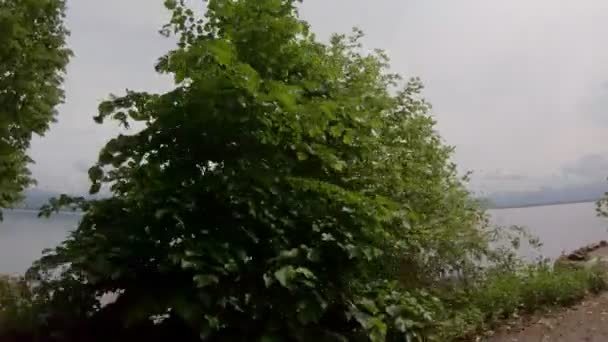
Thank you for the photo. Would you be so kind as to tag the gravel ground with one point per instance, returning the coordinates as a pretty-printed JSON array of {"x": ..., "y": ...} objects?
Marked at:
[{"x": 587, "y": 321}]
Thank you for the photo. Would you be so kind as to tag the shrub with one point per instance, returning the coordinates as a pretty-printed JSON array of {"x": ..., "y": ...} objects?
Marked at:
[
  {"x": 16, "y": 307},
  {"x": 500, "y": 295},
  {"x": 274, "y": 192}
]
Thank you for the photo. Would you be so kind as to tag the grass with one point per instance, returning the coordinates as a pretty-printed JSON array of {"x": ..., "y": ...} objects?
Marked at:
[
  {"x": 500, "y": 295},
  {"x": 459, "y": 313}
]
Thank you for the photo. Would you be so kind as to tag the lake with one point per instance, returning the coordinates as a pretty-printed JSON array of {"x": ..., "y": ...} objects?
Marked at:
[
  {"x": 565, "y": 227},
  {"x": 23, "y": 236}
]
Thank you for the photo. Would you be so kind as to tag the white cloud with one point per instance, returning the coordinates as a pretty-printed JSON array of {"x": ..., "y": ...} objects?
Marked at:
[
  {"x": 508, "y": 79},
  {"x": 116, "y": 45},
  {"x": 505, "y": 77}
]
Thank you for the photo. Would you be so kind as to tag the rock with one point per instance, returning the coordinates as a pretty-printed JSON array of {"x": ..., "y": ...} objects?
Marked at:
[
  {"x": 603, "y": 243},
  {"x": 577, "y": 256}
]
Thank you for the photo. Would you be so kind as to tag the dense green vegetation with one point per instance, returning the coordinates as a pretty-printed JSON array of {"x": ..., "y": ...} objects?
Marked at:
[
  {"x": 33, "y": 57},
  {"x": 501, "y": 295},
  {"x": 284, "y": 190},
  {"x": 458, "y": 312},
  {"x": 278, "y": 192}
]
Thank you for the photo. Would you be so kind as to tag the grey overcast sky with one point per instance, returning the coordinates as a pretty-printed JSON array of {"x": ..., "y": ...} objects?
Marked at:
[{"x": 519, "y": 87}]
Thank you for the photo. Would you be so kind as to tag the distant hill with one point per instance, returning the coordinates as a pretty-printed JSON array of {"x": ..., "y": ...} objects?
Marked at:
[
  {"x": 36, "y": 198},
  {"x": 547, "y": 196}
]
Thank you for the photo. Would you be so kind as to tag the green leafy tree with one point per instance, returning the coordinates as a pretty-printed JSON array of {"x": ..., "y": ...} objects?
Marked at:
[
  {"x": 285, "y": 189},
  {"x": 33, "y": 58}
]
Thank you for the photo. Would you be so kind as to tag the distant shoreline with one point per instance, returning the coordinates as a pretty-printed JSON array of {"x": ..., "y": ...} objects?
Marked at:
[
  {"x": 522, "y": 206},
  {"x": 36, "y": 211},
  {"x": 547, "y": 204}
]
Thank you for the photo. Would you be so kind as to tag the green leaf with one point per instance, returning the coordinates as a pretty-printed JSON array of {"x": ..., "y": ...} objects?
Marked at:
[
  {"x": 348, "y": 137},
  {"x": 314, "y": 255},
  {"x": 393, "y": 310},
  {"x": 221, "y": 51},
  {"x": 307, "y": 273},
  {"x": 338, "y": 165},
  {"x": 289, "y": 254},
  {"x": 269, "y": 338},
  {"x": 284, "y": 275},
  {"x": 250, "y": 76},
  {"x": 171, "y": 4},
  {"x": 284, "y": 95},
  {"x": 160, "y": 213},
  {"x": 337, "y": 130},
  {"x": 204, "y": 280},
  {"x": 403, "y": 325},
  {"x": 95, "y": 187},
  {"x": 268, "y": 280},
  {"x": 302, "y": 156},
  {"x": 309, "y": 312},
  {"x": 378, "y": 332},
  {"x": 187, "y": 264},
  {"x": 95, "y": 173},
  {"x": 369, "y": 305}
]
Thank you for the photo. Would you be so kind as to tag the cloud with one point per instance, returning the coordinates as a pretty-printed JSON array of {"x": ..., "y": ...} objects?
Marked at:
[
  {"x": 589, "y": 168},
  {"x": 116, "y": 45},
  {"x": 583, "y": 179},
  {"x": 506, "y": 79},
  {"x": 513, "y": 87},
  {"x": 579, "y": 175},
  {"x": 595, "y": 105},
  {"x": 500, "y": 175}
]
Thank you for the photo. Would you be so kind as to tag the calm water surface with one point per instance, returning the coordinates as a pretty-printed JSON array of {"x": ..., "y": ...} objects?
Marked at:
[
  {"x": 560, "y": 228},
  {"x": 23, "y": 236}
]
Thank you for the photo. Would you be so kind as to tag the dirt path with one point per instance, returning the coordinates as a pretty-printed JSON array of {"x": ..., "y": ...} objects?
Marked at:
[{"x": 587, "y": 321}]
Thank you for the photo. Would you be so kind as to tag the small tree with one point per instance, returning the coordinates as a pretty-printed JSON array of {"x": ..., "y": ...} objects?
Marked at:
[
  {"x": 33, "y": 58},
  {"x": 602, "y": 206},
  {"x": 278, "y": 192}
]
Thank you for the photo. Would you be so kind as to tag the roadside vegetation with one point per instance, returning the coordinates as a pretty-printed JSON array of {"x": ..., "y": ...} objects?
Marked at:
[
  {"x": 449, "y": 313},
  {"x": 285, "y": 189}
]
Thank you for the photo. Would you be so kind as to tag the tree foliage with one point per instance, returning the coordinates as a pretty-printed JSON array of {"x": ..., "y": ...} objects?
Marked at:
[
  {"x": 285, "y": 189},
  {"x": 33, "y": 58},
  {"x": 602, "y": 206}
]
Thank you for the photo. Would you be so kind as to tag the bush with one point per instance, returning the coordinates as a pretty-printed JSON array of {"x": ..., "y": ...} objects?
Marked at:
[
  {"x": 16, "y": 307},
  {"x": 393, "y": 313},
  {"x": 537, "y": 287},
  {"x": 274, "y": 192},
  {"x": 500, "y": 295}
]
